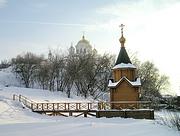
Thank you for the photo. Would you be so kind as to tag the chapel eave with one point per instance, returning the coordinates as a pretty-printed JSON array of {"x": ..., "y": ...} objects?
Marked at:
[
  {"x": 136, "y": 83},
  {"x": 124, "y": 66}
]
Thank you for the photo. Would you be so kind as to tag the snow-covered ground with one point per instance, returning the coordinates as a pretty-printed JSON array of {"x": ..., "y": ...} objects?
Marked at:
[
  {"x": 18, "y": 121},
  {"x": 8, "y": 78},
  {"x": 39, "y": 95}
]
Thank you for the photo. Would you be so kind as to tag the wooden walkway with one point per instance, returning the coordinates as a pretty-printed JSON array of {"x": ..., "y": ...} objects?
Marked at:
[{"x": 97, "y": 109}]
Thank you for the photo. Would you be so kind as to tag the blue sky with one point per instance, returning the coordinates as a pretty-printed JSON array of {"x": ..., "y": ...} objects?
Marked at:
[
  {"x": 151, "y": 28},
  {"x": 45, "y": 23}
]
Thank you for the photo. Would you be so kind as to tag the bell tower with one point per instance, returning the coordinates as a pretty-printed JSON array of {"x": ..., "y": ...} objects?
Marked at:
[
  {"x": 125, "y": 85},
  {"x": 123, "y": 66}
]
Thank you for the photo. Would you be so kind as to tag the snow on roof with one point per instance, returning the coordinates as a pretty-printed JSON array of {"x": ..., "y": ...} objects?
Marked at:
[
  {"x": 111, "y": 84},
  {"x": 135, "y": 83},
  {"x": 123, "y": 65}
]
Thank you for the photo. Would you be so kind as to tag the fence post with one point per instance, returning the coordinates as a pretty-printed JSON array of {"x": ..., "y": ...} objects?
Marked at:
[
  {"x": 88, "y": 106},
  {"x": 97, "y": 114},
  {"x": 85, "y": 113},
  {"x": 99, "y": 105},
  {"x": 53, "y": 107},
  {"x": 68, "y": 106},
  {"x": 31, "y": 106},
  {"x": 70, "y": 113},
  {"x": 14, "y": 97},
  {"x": 25, "y": 102},
  {"x": 19, "y": 98},
  {"x": 77, "y": 106}
]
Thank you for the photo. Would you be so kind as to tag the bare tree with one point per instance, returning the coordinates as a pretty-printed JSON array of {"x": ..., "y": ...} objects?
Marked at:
[
  {"x": 43, "y": 73},
  {"x": 5, "y": 64},
  {"x": 25, "y": 67},
  {"x": 152, "y": 81},
  {"x": 70, "y": 73},
  {"x": 102, "y": 73},
  {"x": 92, "y": 74},
  {"x": 59, "y": 66}
]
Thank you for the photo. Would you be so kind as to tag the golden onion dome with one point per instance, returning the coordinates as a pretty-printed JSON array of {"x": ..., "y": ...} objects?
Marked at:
[{"x": 122, "y": 40}]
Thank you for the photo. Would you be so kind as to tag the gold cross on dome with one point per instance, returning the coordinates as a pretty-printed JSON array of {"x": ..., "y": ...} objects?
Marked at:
[{"x": 121, "y": 26}]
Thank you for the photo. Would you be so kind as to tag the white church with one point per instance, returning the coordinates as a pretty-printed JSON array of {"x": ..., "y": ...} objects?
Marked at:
[{"x": 82, "y": 47}]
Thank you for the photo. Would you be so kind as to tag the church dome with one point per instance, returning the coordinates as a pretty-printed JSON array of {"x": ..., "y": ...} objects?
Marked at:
[
  {"x": 71, "y": 50},
  {"x": 122, "y": 40},
  {"x": 83, "y": 40},
  {"x": 83, "y": 46}
]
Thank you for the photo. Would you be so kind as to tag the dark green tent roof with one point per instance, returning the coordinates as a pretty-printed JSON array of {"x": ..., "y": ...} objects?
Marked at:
[{"x": 123, "y": 57}]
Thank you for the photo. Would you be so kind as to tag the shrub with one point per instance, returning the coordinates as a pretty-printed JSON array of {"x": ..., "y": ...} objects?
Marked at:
[{"x": 171, "y": 119}]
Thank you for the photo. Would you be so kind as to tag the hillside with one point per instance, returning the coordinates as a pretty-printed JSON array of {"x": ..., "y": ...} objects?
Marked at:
[
  {"x": 8, "y": 78},
  {"x": 18, "y": 121}
]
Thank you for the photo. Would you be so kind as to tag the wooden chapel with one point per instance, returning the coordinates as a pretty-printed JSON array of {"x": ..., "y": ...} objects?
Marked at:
[{"x": 125, "y": 85}]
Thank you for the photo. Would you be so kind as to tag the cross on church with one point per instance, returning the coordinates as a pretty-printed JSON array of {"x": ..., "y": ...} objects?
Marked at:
[
  {"x": 121, "y": 26},
  {"x": 83, "y": 35}
]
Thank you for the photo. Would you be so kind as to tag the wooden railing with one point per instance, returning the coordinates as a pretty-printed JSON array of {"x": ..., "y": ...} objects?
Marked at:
[
  {"x": 64, "y": 106},
  {"x": 83, "y": 106},
  {"x": 24, "y": 100},
  {"x": 126, "y": 105}
]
